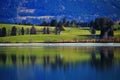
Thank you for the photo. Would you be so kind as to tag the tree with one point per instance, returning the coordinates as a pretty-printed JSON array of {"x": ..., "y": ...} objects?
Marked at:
[
  {"x": 57, "y": 30},
  {"x": 53, "y": 22},
  {"x": 68, "y": 24},
  {"x": 111, "y": 33},
  {"x": 0, "y": 33},
  {"x": 91, "y": 24},
  {"x": 97, "y": 24},
  {"x": 3, "y": 32},
  {"x": 61, "y": 26},
  {"x": 22, "y": 31},
  {"x": 64, "y": 22},
  {"x": 13, "y": 31},
  {"x": 93, "y": 31},
  {"x": 73, "y": 23},
  {"x": 44, "y": 23},
  {"x": 33, "y": 30},
  {"x": 105, "y": 25},
  {"x": 44, "y": 30}
]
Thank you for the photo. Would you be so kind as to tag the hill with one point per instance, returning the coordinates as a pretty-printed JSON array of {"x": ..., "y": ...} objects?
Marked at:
[{"x": 34, "y": 11}]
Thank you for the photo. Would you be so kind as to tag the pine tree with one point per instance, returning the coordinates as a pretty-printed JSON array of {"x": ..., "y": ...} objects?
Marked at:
[
  {"x": 22, "y": 31},
  {"x": 3, "y": 32}
]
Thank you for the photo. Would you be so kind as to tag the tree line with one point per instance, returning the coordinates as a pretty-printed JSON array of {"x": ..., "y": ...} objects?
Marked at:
[{"x": 16, "y": 31}]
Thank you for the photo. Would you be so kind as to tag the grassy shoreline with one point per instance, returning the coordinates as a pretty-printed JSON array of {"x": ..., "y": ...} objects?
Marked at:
[{"x": 70, "y": 35}]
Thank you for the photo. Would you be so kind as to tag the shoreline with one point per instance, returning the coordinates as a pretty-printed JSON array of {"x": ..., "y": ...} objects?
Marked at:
[
  {"x": 60, "y": 44},
  {"x": 70, "y": 41}
]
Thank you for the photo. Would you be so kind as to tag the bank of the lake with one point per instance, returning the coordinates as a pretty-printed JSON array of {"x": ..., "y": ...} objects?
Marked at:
[
  {"x": 70, "y": 35},
  {"x": 59, "y": 44}
]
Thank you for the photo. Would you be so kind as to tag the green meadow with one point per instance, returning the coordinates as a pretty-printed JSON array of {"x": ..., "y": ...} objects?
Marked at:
[{"x": 70, "y": 33}]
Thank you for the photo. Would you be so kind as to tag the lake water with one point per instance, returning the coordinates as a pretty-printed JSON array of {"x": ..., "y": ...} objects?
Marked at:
[{"x": 60, "y": 63}]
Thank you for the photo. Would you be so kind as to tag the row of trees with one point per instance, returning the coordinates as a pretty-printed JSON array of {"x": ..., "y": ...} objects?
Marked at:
[
  {"x": 16, "y": 31},
  {"x": 64, "y": 22}
]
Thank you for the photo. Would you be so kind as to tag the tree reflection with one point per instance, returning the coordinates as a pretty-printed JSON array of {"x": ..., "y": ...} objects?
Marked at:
[
  {"x": 3, "y": 58},
  {"x": 22, "y": 57},
  {"x": 105, "y": 60},
  {"x": 13, "y": 57},
  {"x": 33, "y": 59},
  {"x": 101, "y": 58}
]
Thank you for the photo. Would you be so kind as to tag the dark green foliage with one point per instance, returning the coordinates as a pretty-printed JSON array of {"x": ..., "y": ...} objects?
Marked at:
[
  {"x": 64, "y": 22},
  {"x": 73, "y": 23},
  {"x": 68, "y": 24},
  {"x": 13, "y": 31},
  {"x": 33, "y": 30},
  {"x": 93, "y": 31},
  {"x": 57, "y": 30},
  {"x": 61, "y": 26},
  {"x": 0, "y": 33},
  {"x": 106, "y": 27},
  {"x": 22, "y": 31},
  {"x": 44, "y": 30},
  {"x": 53, "y": 22},
  {"x": 3, "y": 32},
  {"x": 44, "y": 23},
  {"x": 96, "y": 23},
  {"x": 111, "y": 33},
  {"x": 91, "y": 24}
]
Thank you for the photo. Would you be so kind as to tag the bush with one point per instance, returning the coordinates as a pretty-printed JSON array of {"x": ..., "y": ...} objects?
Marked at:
[
  {"x": 22, "y": 31},
  {"x": 44, "y": 30},
  {"x": 3, "y": 32},
  {"x": 33, "y": 30},
  {"x": 13, "y": 31}
]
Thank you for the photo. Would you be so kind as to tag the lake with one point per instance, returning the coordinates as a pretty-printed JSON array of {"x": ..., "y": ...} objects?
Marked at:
[{"x": 60, "y": 63}]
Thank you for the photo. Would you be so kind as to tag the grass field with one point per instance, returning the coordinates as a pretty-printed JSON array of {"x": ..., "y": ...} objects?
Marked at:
[{"x": 68, "y": 34}]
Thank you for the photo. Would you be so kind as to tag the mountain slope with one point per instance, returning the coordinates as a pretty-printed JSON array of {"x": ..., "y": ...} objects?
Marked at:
[{"x": 36, "y": 10}]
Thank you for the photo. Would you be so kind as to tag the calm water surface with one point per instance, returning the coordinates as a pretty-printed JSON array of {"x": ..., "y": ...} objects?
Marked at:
[{"x": 59, "y": 63}]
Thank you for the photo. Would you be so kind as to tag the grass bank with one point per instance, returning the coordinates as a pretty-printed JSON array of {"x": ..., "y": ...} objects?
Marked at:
[{"x": 69, "y": 35}]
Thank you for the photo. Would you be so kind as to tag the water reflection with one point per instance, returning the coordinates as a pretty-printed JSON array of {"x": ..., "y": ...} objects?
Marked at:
[
  {"x": 3, "y": 58},
  {"x": 33, "y": 59},
  {"x": 13, "y": 58},
  {"x": 22, "y": 57},
  {"x": 101, "y": 58},
  {"x": 105, "y": 59},
  {"x": 91, "y": 63}
]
